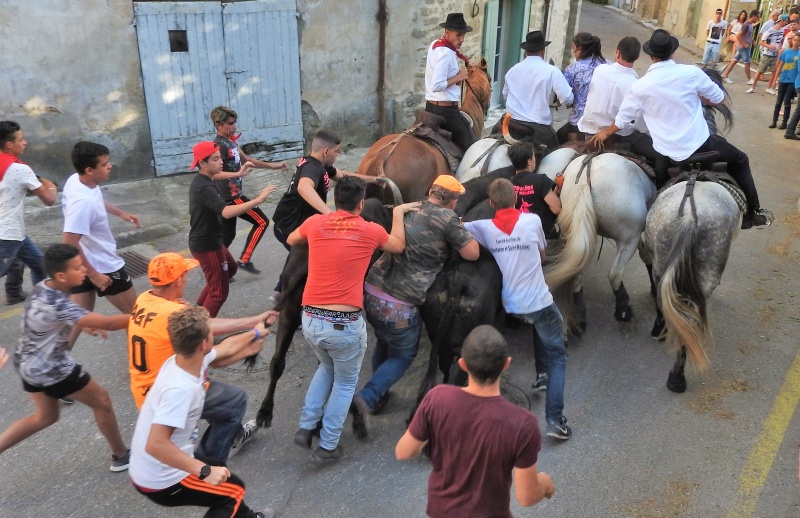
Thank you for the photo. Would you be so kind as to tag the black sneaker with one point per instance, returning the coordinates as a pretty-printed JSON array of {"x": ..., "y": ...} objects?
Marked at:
[
  {"x": 782, "y": 126},
  {"x": 360, "y": 413},
  {"x": 16, "y": 299},
  {"x": 120, "y": 463},
  {"x": 559, "y": 429},
  {"x": 269, "y": 512},
  {"x": 774, "y": 125},
  {"x": 791, "y": 136},
  {"x": 302, "y": 438},
  {"x": 248, "y": 267},
  {"x": 760, "y": 218},
  {"x": 540, "y": 385},
  {"x": 323, "y": 455}
]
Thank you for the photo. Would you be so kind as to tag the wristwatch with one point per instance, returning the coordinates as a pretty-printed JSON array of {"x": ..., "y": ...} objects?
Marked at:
[{"x": 204, "y": 472}]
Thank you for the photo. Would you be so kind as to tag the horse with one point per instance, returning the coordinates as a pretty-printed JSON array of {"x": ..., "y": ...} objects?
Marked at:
[
  {"x": 690, "y": 249},
  {"x": 412, "y": 163}
]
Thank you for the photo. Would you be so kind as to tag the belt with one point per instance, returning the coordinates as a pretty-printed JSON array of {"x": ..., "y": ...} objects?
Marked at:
[
  {"x": 329, "y": 315},
  {"x": 443, "y": 103},
  {"x": 387, "y": 310},
  {"x": 714, "y": 42}
]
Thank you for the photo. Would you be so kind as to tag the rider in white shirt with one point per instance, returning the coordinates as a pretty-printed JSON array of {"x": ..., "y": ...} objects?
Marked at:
[
  {"x": 443, "y": 78},
  {"x": 670, "y": 97}
]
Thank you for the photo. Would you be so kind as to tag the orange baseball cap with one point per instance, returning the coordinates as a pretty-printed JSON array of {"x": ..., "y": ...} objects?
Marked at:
[
  {"x": 166, "y": 268},
  {"x": 202, "y": 150},
  {"x": 450, "y": 183}
]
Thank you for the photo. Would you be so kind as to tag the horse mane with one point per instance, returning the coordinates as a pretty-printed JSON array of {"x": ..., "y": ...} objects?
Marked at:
[
  {"x": 722, "y": 109},
  {"x": 477, "y": 94}
]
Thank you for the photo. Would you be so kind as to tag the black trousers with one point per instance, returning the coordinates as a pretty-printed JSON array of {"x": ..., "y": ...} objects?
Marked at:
[
  {"x": 536, "y": 133},
  {"x": 255, "y": 217},
  {"x": 637, "y": 143},
  {"x": 785, "y": 94},
  {"x": 223, "y": 501},
  {"x": 455, "y": 123},
  {"x": 792, "y": 126}
]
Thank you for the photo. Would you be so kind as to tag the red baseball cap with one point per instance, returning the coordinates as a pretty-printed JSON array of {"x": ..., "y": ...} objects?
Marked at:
[{"x": 203, "y": 150}]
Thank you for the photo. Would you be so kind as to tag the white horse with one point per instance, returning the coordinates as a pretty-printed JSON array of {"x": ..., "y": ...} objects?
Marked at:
[
  {"x": 472, "y": 164},
  {"x": 689, "y": 255}
]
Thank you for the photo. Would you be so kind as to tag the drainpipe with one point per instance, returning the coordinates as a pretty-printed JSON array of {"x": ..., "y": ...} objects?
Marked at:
[
  {"x": 381, "y": 87},
  {"x": 545, "y": 17}
]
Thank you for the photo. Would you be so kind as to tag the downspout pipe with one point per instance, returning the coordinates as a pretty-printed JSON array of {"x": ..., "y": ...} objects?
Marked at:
[{"x": 381, "y": 86}]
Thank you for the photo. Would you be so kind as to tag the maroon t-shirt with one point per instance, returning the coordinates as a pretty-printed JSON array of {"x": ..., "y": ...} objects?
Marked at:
[{"x": 475, "y": 443}]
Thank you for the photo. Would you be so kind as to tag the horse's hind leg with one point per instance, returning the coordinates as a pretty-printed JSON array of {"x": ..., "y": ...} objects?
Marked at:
[
  {"x": 647, "y": 258},
  {"x": 622, "y": 308},
  {"x": 677, "y": 381}
]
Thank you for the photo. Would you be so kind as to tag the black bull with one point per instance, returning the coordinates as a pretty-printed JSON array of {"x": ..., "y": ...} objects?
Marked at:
[{"x": 464, "y": 295}]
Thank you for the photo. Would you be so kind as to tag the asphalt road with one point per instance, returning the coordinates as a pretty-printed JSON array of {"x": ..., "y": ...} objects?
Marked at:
[{"x": 726, "y": 447}]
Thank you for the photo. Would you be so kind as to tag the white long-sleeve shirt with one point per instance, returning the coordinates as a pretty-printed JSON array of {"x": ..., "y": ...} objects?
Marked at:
[
  {"x": 527, "y": 90},
  {"x": 442, "y": 64},
  {"x": 610, "y": 83},
  {"x": 668, "y": 96}
]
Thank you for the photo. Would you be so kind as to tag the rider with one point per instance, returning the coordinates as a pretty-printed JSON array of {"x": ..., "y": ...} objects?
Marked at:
[
  {"x": 610, "y": 83},
  {"x": 443, "y": 78},
  {"x": 671, "y": 97},
  {"x": 527, "y": 89}
]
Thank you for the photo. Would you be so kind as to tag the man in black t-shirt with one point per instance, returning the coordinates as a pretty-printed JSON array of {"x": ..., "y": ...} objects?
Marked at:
[
  {"x": 535, "y": 191},
  {"x": 206, "y": 208},
  {"x": 229, "y": 183}
]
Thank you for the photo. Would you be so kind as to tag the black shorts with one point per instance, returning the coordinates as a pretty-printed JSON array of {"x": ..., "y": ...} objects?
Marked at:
[
  {"x": 76, "y": 380},
  {"x": 120, "y": 282}
]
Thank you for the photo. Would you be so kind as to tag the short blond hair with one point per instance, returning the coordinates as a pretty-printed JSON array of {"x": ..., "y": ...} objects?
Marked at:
[{"x": 188, "y": 328}]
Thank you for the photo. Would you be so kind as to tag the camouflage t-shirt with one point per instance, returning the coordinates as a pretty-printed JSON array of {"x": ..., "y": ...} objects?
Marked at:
[
  {"x": 43, "y": 356},
  {"x": 430, "y": 235}
]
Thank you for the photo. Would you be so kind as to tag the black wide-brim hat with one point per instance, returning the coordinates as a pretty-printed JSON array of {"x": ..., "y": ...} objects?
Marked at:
[
  {"x": 534, "y": 41},
  {"x": 455, "y": 22},
  {"x": 661, "y": 44}
]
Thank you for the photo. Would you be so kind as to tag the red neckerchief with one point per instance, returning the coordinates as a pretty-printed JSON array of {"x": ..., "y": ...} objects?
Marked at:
[
  {"x": 442, "y": 42},
  {"x": 506, "y": 219},
  {"x": 234, "y": 138},
  {"x": 6, "y": 159}
]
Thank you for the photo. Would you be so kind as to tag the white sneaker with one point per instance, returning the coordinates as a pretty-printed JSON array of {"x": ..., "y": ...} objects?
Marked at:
[
  {"x": 249, "y": 430},
  {"x": 771, "y": 91},
  {"x": 751, "y": 81},
  {"x": 750, "y": 90},
  {"x": 727, "y": 80}
]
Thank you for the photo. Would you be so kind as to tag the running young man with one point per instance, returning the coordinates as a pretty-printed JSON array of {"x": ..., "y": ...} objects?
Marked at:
[
  {"x": 236, "y": 165},
  {"x": 43, "y": 359},
  {"x": 162, "y": 465},
  {"x": 477, "y": 438},
  {"x": 86, "y": 228}
]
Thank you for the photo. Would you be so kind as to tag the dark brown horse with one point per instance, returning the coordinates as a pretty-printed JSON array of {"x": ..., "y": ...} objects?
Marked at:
[{"x": 413, "y": 163}]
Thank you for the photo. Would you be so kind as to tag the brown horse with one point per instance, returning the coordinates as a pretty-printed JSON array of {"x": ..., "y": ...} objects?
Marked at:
[{"x": 413, "y": 163}]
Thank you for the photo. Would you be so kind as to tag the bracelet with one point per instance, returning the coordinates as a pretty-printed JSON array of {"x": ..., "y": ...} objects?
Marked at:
[{"x": 258, "y": 335}]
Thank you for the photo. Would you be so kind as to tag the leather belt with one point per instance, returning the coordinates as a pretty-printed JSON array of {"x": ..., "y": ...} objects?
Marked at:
[{"x": 443, "y": 103}]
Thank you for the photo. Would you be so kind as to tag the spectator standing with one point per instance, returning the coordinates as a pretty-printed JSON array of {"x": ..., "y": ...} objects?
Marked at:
[
  {"x": 744, "y": 39},
  {"x": 791, "y": 127},
  {"x": 789, "y": 61},
  {"x": 733, "y": 30},
  {"x": 206, "y": 210},
  {"x": 163, "y": 468},
  {"x": 229, "y": 183},
  {"x": 340, "y": 245},
  {"x": 43, "y": 359},
  {"x": 715, "y": 32},
  {"x": 770, "y": 43},
  {"x": 17, "y": 250},
  {"x": 473, "y": 477}
]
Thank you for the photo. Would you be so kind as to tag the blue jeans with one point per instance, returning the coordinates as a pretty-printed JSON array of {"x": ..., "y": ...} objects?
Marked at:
[
  {"x": 742, "y": 55},
  {"x": 711, "y": 53},
  {"x": 547, "y": 323},
  {"x": 224, "y": 410},
  {"x": 14, "y": 256},
  {"x": 340, "y": 349},
  {"x": 395, "y": 350}
]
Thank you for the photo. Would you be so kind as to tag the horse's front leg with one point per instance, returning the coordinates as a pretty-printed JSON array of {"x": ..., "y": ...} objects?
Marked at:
[
  {"x": 677, "y": 381},
  {"x": 622, "y": 309}
]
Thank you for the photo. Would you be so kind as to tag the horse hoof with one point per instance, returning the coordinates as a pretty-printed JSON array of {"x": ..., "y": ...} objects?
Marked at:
[
  {"x": 676, "y": 383},
  {"x": 626, "y": 315},
  {"x": 264, "y": 419}
]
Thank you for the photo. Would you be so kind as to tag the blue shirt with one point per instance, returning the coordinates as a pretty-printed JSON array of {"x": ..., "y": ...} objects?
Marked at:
[{"x": 789, "y": 72}]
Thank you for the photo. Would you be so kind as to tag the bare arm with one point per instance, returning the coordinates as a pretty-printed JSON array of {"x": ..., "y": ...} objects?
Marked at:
[
  {"x": 46, "y": 192},
  {"x": 471, "y": 251},
  {"x": 531, "y": 486},
  {"x": 397, "y": 237},
  {"x": 225, "y": 326},
  {"x": 261, "y": 164},
  {"x": 236, "y": 347},
  {"x": 105, "y": 322},
  {"x": 162, "y": 448},
  {"x": 101, "y": 280},
  {"x": 295, "y": 238},
  {"x": 408, "y": 447},
  {"x": 232, "y": 211},
  {"x": 3, "y": 358},
  {"x": 305, "y": 188},
  {"x": 553, "y": 201},
  {"x": 121, "y": 214}
]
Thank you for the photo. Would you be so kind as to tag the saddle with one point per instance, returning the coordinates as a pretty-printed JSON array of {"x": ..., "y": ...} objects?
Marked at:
[
  {"x": 705, "y": 161},
  {"x": 427, "y": 126},
  {"x": 590, "y": 153},
  {"x": 693, "y": 176}
]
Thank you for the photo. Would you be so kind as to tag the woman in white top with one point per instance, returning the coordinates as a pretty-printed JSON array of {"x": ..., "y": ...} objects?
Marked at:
[{"x": 733, "y": 29}]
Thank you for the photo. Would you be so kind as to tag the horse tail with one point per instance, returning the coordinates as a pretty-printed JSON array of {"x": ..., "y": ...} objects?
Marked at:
[
  {"x": 682, "y": 300},
  {"x": 578, "y": 224}
]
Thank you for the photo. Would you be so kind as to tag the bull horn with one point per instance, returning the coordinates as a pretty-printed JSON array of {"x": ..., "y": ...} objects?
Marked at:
[{"x": 398, "y": 198}]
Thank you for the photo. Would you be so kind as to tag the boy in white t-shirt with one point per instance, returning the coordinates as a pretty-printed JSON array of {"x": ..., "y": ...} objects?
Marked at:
[
  {"x": 86, "y": 228},
  {"x": 163, "y": 467},
  {"x": 715, "y": 31},
  {"x": 517, "y": 242}
]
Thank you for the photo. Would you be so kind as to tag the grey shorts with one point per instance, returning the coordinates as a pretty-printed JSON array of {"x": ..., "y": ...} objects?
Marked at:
[{"x": 767, "y": 63}]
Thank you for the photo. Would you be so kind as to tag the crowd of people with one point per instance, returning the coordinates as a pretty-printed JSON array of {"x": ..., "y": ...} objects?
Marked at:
[{"x": 171, "y": 343}]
